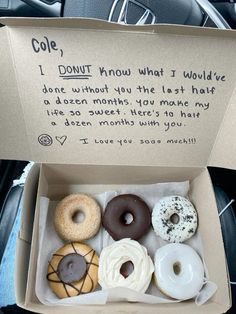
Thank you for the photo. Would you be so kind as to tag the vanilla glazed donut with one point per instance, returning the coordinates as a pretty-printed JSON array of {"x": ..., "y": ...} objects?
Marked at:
[
  {"x": 113, "y": 260},
  {"x": 166, "y": 211},
  {"x": 73, "y": 270},
  {"x": 70, "y": 230},
  {"x": 179, "y": 271}
]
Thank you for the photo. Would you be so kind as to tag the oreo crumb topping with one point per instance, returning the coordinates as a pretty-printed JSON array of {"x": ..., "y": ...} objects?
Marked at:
[
  {"x": 188, "y": 218},
  {"x": 171, "y": 228},
  {"x": 187, "y": 223}
]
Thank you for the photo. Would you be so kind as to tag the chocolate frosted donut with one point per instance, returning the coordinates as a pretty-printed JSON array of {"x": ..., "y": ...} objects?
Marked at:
[
  {"x": 73, "y": 270},
  {"x": 119, "y": 210}
]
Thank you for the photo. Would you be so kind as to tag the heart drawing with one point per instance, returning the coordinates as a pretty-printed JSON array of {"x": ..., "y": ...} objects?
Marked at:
[{"x": 61, "y": 139}]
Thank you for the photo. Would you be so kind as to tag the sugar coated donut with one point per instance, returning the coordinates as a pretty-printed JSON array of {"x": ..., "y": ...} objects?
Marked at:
[
  {"x": 179, "y": 271},
  {"x": 65, "y": 211},
  {"x": 114, "y": 220},
  {"x": 116, "y": 258},
  {"x": 73, "y": 270},
  {"x": 174, "y": 219}
]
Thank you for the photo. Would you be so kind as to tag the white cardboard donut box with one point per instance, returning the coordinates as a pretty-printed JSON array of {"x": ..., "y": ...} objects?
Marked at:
[{"x": 98, "y": 105}]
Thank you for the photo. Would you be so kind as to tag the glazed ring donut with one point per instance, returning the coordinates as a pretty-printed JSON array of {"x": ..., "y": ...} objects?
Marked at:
[
  {"x": 70, "y": 230},
  {"x": 166, "y": 211},
  {"x": 115, "y": 258},
  {"x": 114, "y": 217},
  {"x": 179, "y": 271},
  {"x": 73, "y": 270}
]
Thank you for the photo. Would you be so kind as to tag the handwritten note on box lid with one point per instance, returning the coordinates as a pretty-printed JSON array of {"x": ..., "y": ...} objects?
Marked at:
[{"x": 121, "y": 96}]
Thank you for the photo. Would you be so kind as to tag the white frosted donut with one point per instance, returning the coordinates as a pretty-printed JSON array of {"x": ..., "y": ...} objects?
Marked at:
[
  {"x": 179, "y": 271},
  {"x": 166, "y": 211},
  {"x": 112, "y": 259}
]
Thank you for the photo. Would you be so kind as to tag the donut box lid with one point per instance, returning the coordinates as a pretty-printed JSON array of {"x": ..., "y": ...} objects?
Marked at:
[{"x": 90, "y": 92}]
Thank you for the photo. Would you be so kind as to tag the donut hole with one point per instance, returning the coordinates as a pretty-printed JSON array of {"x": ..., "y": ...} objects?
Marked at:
[
  {"x": 177, "y": 268},
  {"x": 126, "y": 218},
  {"x": 174, "y": 219},
  {"x": 69, "y": 265},
  {"x": 78, "y": 216},
  {"x": 126, "y": 269}
]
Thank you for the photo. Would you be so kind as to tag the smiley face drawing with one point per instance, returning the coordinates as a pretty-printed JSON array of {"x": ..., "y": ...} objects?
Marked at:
[{"x": 45, "y": 140}]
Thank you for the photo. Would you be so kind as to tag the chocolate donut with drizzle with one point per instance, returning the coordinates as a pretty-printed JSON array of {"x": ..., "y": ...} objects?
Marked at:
[{"x": 73, "y": 270}]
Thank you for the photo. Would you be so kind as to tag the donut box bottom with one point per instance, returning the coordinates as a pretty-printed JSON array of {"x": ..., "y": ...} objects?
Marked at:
[{"x": 57, "y": 181}]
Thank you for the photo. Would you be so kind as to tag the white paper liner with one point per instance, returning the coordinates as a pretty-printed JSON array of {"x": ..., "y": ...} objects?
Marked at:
[{"x": 49, "y": 242}]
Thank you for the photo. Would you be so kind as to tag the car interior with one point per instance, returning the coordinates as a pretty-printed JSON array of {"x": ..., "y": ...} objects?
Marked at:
[{"x": 202, "y": 13}]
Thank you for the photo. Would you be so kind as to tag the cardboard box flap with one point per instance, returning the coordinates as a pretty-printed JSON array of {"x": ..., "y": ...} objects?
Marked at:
[
  {"x": 224, "y": 151},
  {"x": 13, "y": 144},
  {"x": 101, "y": 25},
  {"x": 114, "y": 94}
]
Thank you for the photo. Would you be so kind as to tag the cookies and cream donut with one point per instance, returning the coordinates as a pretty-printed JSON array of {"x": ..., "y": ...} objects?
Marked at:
[
  {"x": 70, "y": 230},
  {"x": 113, "y": 262},
  {"x": 179, "y": 271},
  {"x": 174, "y": 219},
  {"x": 114, "y": 218},
  {"x": 73, "y": 270}
]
